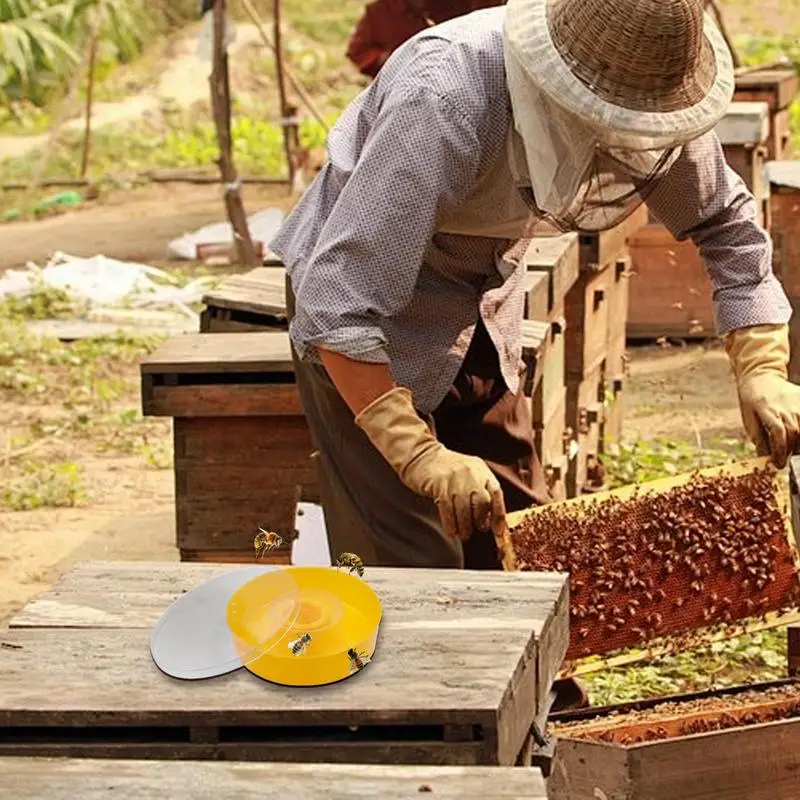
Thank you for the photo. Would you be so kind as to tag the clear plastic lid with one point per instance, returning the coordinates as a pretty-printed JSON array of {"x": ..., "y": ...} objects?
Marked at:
[
  {"x": 195, "y": 639},
  {"x": 268, "y": 612}
]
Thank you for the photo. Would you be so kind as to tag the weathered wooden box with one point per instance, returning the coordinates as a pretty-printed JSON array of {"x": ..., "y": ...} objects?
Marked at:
[
  {"x": 243, "y": 451},
  {"x": 552, "y": 264},
  {"x": 670, "y": 293},
  {"x": 742, "y": 750},
  {"x": 464, "y": 664},
  {"x": 784, "y": 178},
  {"x": 252, "y": 301},
  {"x": 777, "y": 87},
  {"x": 68, "y": 778}
]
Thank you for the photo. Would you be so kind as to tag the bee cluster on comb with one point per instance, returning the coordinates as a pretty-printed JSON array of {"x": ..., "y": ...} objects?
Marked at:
[{"x": 666, "y": 565}]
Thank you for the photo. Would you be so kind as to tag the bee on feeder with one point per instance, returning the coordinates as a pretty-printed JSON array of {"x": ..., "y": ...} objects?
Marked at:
[
  {"x": 299, "y": 646},
  {"x": 351, "y": 562},
  {"x": 357, "y": 660},
  {"x": 266, "y": 541}
]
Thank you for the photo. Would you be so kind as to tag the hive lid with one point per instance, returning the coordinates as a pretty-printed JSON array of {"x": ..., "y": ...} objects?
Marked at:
[{"x": 193, "y": 639}]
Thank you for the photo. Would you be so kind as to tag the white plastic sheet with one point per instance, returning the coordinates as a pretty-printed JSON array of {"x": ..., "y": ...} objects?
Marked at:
[
  {"x": 103, "y": 281},
  {"x": 263, "y": 225}
]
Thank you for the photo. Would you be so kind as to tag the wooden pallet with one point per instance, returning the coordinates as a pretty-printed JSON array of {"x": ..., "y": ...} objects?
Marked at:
[
  {"x": 68, "y": 779},
  {"x": 252, "y": 301},
  {"x": 465, "y": 660},
  {"x": 242, "y": 448}
]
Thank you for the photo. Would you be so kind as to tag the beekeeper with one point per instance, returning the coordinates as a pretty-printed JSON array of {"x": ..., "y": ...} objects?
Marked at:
[{"x": 405, "y": 290}]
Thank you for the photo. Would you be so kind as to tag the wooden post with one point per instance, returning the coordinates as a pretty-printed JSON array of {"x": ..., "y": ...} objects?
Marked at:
[
  {"x": 87, "y": 133},
  {"x": 220, "y": 103},
  {"x": 284, "y": 106}
]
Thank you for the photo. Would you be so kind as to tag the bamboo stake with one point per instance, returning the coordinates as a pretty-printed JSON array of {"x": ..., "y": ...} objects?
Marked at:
[
  {"x": 87, "y": 132},
  {"x": 284, "y": 107},
  {"x": 296, "y": 85},
  {"x": 220, "y": 102},
  {"x": 66, "y": 104}
]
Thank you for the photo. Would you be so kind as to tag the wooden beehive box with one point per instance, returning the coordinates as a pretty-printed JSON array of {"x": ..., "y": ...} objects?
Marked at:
[
  {"x": 552, "y": 267},
  {"x": 784, "y": 178},
  {"x": 252, "y": 301},
  {"x": 777, "y": 87},
  {"x": 596, "y": 311},
  {"x": 68, "y": 778},
  {"x": 670, "y": 293},
  {"x": 727, "y": 745},
  {"x": 464, "y": 664},
  {"x": 243, "y": 452}
]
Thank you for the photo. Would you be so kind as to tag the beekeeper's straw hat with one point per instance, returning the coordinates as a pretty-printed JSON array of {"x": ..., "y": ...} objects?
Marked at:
[{"x": 649, "y": 73}]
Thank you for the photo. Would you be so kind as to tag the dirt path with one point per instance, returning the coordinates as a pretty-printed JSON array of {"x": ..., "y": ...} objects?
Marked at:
[{"x": 132, "y": 225}]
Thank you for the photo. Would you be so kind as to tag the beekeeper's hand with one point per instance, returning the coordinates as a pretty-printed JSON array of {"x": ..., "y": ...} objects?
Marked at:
[
  {"x": 466, "y": 492},
  {"x": 769, "y": 402}
]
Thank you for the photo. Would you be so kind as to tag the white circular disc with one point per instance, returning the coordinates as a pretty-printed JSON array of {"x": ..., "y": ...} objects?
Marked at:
[{"x": 192, "y": 640}]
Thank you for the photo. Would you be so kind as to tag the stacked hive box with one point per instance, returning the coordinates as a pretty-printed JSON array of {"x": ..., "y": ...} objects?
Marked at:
[
  {"x": 671, "y": 293},
  {"x": 551, "y": 269},
  {"x": 596, "y": 315},
  {"x": 243, "y": 454},
  {"x": 784, "y": 178},
  {"x": 777, "y": 87}
]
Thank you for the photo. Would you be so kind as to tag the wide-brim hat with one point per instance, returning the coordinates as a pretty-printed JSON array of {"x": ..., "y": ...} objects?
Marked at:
[{"x": 649, "y": 73}]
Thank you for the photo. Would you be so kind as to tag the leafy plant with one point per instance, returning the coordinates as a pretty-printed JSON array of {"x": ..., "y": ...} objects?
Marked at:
[{"x": 44, "y": 486}]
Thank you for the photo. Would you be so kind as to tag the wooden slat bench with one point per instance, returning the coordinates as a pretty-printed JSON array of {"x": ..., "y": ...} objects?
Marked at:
[
  {"x": 91, "y": 779},
  {"x": 243, "y": 451},
  {"x": 464, "y": 663}
]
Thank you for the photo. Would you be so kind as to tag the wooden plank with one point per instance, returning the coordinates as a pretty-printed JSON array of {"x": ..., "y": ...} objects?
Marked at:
[
  {"x": 91, "y": 779},
  {"x": 760, "y": 762},
  {"x": 259, "y": 291},
  {"x": 206, "y": 353},
  {"x": 558, "y": 256},
  {"x": 598, "y": 251},
  {"x": 591, "y": 771},
  {"x": 536, "y": 288},
  {"x": 587, "y": 321},
  {"x": 231, "y": 400},
  {"x": 450, "y": 646}
]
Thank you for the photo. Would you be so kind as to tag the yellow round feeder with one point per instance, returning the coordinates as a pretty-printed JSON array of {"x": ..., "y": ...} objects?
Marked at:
[{"x": 302, "y": 626}]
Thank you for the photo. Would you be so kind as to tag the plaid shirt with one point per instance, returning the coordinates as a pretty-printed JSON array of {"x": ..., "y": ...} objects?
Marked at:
[{"x": 377, "y": 279}]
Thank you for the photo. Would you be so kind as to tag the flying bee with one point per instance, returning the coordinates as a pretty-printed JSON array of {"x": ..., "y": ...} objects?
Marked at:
[
  {"x": 266, "y": 541},
  {"x": 357, "y": 660},
  {"x": 351, "y": 562},
  {"x": 299, "y": 646}
]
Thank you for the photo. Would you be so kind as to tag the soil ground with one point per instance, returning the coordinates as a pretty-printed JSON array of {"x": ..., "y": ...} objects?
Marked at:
[{"x": 686, "y": 392}]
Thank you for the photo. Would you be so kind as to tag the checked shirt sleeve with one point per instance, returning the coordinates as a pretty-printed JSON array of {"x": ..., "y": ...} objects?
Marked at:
[
  {"x": 419, "y": 159},
  {"x": 702, "y": 198}
]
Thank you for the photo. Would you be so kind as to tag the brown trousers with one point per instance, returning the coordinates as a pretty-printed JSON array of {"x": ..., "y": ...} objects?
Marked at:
[{"x": 370, "y": 512}]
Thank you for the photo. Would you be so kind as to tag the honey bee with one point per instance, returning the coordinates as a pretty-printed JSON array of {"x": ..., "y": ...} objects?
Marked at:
[
  {"x": 351, "y": 562},
  {"x": 357, "y": 660},
  {"x": 266, "y": 541},
  {"x": 299, "y": 646}
]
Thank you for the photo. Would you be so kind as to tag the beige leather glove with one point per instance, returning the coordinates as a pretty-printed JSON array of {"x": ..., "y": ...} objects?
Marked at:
[
  {"x": 465, "y": 490},
  {"x": 769, "y": 403}
]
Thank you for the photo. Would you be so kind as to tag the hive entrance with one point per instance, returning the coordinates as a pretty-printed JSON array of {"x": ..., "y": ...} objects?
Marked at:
[{"x": 679, "y": 561}]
